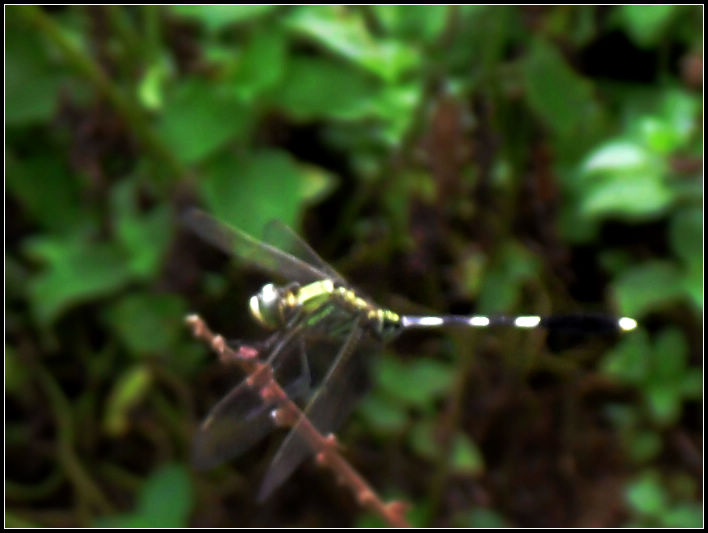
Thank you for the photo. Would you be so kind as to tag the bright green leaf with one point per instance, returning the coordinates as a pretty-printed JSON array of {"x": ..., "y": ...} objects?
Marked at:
[
  {"x": 128, "y": 391},
  {"x": 646, "y": 495},
  {"x": 617, "y": 156},
  {"x": 199, "y": 118},
  {"x": 248, "y": 192},
  {"x": 167, "y": 497},
  {"x": 151, "y": 86},
  {"x": 342, "y": 30},
  {"x": 165, "y": 500},
  {"x": 659, "y": 136},
  {"x": 349, "y": 95},
  {"x": 560, "y": 96},
  {"x": 422, "y": 24},
  {"x": 146, "y": 238},
  {"x": 681, "y": 110},
  {"x": 642, "y": 289},
  {"x": 218, "y": 17},
  {"x": 638, "y": 194},
  {"x": 645, "y": 24},
  {"x": 76, "y": 272},
  {"x": 261, "y": 65}
]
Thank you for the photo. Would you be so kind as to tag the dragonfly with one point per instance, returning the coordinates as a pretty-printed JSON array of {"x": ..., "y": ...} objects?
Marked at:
[{"x": 317, "y": 311}]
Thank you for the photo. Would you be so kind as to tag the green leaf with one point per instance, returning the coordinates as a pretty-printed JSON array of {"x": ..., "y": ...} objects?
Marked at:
[
  {"x": 644, "y": 446},
  {"x": 47, "y": 191},
  {"x": 424, "y": 23},
  {"x": 618, "y": 156},
  {"x": 166, "y": 500},
  {"x": 561, "y": 97},
  {"x": 659, "y": 136},
  {"x": 422, "y": 440},
  {"x": 128, "y": 391},
  {"x": 646, "y": 495},
  {"x": 466, "y": 457},
  {"x": 200, "y": 118},
  {"x": 383, "y": 415},
  {"x": 671, "y": 354},
  {"x": 349, "y": 93},
  {"x": 645, "y": 24},
  {"x": 631, "y": 195},
  {"x": 167, "y": 497},
  {"x": 416, "y": 383},
  {"x": 145, "y": 236},
  {"x": 507, "y": 271},
  {"x": 76, "y": 272},
  {"x": 218, "y": 17},
  {"x": 151, "y": 86},
  {"x": 32, "y": 81},
  {"x": 681, "y": 111},
  {"x": 686, "y": 238},
  {"x": 630, "y": 360},
  {"x": 664, "y": 399},
  {"x": 148, "y": 323},
  {"x": 691, "y": 383},
  {"x": 261, "y": 65},
  {"x": 683, "y": 515},
  {"x": 624, "y": 178},
  {"x": 250, "y": 191},
  {"x": 342, "y": 30},
  {"x": 646, "y": 287},
  {"x": 480, "y": 518}
]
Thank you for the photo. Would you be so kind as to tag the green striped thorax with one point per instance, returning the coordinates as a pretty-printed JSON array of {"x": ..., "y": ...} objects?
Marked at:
[{"x": 273, "y": 306}]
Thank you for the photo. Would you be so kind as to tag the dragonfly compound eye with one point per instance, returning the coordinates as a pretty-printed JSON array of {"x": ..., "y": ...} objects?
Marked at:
[{"x": 266, "y": 306}]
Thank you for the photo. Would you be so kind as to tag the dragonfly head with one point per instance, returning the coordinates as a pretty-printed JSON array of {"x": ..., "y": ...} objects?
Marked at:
[{"x": 267, "y": 306}]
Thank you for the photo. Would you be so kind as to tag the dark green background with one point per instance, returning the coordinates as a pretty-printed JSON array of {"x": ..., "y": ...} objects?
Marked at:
[{"x": 445, "y": 159}]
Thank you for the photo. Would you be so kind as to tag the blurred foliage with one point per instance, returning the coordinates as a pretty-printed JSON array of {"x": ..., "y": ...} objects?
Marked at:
[{"x": 497, "y": 159}]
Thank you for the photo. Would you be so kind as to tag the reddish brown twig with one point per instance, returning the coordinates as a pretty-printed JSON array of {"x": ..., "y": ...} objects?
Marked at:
[{"x": 260, "y": 376}]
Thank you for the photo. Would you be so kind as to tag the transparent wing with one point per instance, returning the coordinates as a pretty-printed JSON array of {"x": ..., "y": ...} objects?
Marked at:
[
  {"x": 242, "y": 418},
  {"x": 327, "y": 409},
  {"x": 282, "y": 237},
  {"x": 260, "y": 254}
]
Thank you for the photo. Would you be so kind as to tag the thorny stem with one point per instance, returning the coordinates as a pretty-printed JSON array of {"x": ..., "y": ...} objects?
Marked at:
[{"x": 325, "y": 447}]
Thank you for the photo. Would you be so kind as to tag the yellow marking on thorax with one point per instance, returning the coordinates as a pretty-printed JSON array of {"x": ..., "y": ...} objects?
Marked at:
[{"x": 318, "y": 290}]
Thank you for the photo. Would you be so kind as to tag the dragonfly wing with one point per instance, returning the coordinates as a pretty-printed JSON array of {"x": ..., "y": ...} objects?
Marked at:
[
  {"x": 282, "y": 237},
  {"x": 327, "y": 409},
  {"x": 262, "y": 255},
  {"x": 242, "y": 418}
]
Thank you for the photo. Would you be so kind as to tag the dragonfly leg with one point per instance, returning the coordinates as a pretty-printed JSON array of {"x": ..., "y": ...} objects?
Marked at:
[
  {"x": 300, "y": 387},
  {"x": 294, "y": 327}
]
